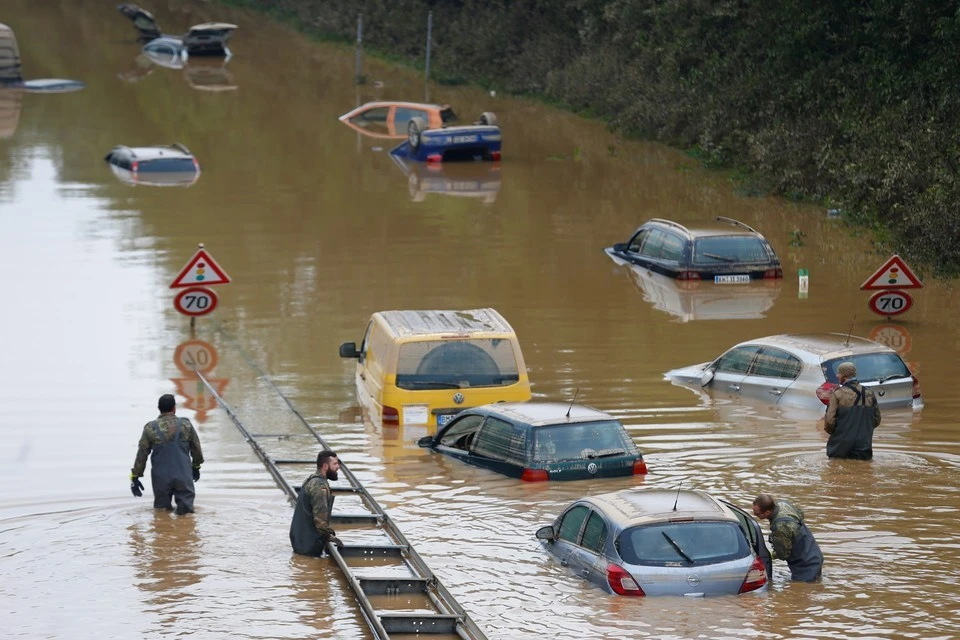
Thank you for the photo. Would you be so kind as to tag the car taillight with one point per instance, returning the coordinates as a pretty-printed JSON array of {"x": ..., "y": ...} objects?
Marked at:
[
  {"x": 196, "y": 165},
  {"x": 640, "y": 468},
  {"x": 824, "y": 390},
  {"x": 916, "y": 387},
  {"x": 773, "y": 273},
  {"x": 390, "y": 415},
  {"x": 623, "y": 583},
  {"x": 495, "y": 156},
  {"x": 688, "y": 275},
  {"x": 534, "y": 475},
  {"x": 756, "y": 576},
  {"x": 136, "y": 166},
  {"x": 434, "y": 157}
]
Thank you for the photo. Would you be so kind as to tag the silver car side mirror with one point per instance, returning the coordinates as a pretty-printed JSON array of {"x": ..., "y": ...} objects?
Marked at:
[
  {"x": 706, "y": 377},
  {"x": 546, "y": 533}
]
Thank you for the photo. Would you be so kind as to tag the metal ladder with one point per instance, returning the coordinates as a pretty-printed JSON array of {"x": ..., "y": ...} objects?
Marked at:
[{"x": 446, "y": 616}]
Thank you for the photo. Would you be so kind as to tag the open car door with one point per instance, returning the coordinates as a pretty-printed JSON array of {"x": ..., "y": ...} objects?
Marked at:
[
  {"x": 143, "y": 20},
  {"x": 751, "y": 529},
  {"x": 209, "y": 39}
]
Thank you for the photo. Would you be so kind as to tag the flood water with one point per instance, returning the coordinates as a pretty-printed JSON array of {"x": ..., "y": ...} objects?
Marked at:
[{"x": 318, "y": 228}]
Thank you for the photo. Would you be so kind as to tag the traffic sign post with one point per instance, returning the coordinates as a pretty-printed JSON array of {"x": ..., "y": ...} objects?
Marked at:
[
  {"x": 889, "y": 281},
  {"x": 195, "y": 301}
]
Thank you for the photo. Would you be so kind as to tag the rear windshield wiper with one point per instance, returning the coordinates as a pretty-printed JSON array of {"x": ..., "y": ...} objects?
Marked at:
[
  {"x": 723, "y": 258},
  {"x": 429, "y": 385},
  {"x": 606, "y": 453},
  {"x": 674, "y": 544},
  {"x": 891, "y": 377}
]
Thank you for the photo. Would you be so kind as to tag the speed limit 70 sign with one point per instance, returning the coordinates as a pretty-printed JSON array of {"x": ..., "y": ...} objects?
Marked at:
[
  {"x": 195, "y": 301},
  {"x": 890, "y": 303}
]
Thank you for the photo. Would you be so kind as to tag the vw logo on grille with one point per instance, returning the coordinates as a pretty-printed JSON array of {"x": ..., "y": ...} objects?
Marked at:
[
  {"x": 592, "y": 468},
  {"x": 693, "y": 579},
  {"x": 458, "y": 398},
  {"x": 881, "y": 393}
]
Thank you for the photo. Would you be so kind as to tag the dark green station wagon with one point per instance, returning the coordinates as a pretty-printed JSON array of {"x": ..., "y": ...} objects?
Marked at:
[{"x": 540, "y": 441}]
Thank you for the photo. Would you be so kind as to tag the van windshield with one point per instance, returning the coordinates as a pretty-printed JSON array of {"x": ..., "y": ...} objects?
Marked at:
[{"x": 457, "y": 364}]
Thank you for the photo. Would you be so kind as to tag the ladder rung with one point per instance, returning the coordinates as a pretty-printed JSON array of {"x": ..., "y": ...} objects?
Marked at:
[
  {"x": 370, "y": 550},
  {"x": 391, "y": 586},
  {"x": 284, "y": 461},
  {"x": 347, "y": 489},
  {"x": 355, "y": 518},
  {"x": 419, "y": 622}
]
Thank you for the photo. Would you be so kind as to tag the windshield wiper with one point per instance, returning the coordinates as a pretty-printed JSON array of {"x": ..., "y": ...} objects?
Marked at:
[
  {"x": 434, "y": 385},
  {"x": 606, "y": 453},
  {"x": 891, "y": 377},
  {"x": 674, "y": 544},
  {"x": 723, "y": 258}
]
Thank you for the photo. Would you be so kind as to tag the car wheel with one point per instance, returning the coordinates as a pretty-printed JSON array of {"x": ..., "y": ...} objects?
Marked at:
[
  {"x": 488, "y": 118},
  {"x": 415, "y": 127}
]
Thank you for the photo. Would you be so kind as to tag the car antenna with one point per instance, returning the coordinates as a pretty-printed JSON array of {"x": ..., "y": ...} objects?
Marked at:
[
  {"x": 847, "y": 343},
  {"x": 575, "y": 394},
  {"x": 678, "y": 496}
]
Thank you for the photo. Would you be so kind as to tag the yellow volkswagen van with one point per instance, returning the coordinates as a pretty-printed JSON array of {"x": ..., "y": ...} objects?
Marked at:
[{"x": 423, "y": 367}]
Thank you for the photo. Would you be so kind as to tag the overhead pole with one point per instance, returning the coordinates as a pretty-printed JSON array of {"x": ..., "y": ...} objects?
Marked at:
[{"x": 426, "y": 71}]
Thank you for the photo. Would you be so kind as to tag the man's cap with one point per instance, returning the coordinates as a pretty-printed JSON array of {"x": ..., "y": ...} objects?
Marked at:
[{"x": 847, "y": 370}]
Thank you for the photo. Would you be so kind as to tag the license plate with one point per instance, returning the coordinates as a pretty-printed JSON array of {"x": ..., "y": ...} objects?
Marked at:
[
  {"x": 462, "y": 139},
  {"x": 445, "y": 418},
  {"x": 738, "y": 279}
]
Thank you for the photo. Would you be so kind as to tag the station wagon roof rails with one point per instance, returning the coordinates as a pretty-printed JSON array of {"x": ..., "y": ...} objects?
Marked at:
[
  {"x": 670, "y": 223},
  {"x": 180, "y": 147},
  {"x": 736, "y": 223}
]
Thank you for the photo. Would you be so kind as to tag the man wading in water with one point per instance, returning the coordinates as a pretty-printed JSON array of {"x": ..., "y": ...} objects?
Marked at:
[
  {"x": 310, "y": 529},
  {"x": 851, "y": 417}
]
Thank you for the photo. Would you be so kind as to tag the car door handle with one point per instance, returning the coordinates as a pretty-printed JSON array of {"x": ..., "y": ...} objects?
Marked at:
[
  {"x": 735, "y": 387},
  {"x": 564, "y": 563},
  {"x": 584, "y": 572},
  {"x": 775, "y": 392}
]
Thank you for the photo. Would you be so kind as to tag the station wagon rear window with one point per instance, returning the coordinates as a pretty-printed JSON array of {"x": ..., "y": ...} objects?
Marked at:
[
  {"x": 677, "y": 543},
  {"x": 870, "y": 367},
  {"x": 457, "y": 364},
  {"x": 585, "y": 441},
  {"x": 729, "y": 249},
  {"x": 172, "y": 165}
]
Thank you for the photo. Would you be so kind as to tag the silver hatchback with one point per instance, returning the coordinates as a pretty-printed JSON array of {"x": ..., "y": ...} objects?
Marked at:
[
  {"x": 800, "y": 370},
  {"x": 651, "y": 542}
]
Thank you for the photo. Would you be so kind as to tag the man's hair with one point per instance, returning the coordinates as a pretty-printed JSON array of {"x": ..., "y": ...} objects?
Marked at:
[
  {"x": 167, "y": 403},
  {"x": 765, "y": 502},
  {"x": 323, "y": 457},
  {"x": 847, "y": 370}
]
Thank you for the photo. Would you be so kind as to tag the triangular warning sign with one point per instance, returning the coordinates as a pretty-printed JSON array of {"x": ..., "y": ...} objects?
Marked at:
[
  {"x": 894, "y": 274},
  {"x": 200, "y": 269}
]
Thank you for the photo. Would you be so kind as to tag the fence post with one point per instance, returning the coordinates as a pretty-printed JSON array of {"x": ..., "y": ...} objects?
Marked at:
[
  {"x": 429, "y": 38},
  {"x": 356, "y": 77}
]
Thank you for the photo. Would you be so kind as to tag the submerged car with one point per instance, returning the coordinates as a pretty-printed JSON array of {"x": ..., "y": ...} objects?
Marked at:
[
  {"x": 158, "y": 166},
  {"x": 801, "y": 370},
  {"x": 729, "y": 252},
  {"x": 172, "y": 51},
  {"x": 540, "y": 441},
  {"x": 390, "y": 119},
  {"x": 653, "y": 542},
  {"x": 479, "y": 141}
]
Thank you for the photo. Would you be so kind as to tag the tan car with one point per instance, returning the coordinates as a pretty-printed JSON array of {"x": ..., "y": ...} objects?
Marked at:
[{"x": 390, "y": 120}]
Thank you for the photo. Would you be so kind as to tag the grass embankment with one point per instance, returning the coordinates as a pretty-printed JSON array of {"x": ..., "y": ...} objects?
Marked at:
[{"x": 848, "y": 104}]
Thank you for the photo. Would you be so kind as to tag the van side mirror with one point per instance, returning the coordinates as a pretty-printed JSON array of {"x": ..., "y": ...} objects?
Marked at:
[
  {"x": 349, "y": 350},
  {"x": 546, "y": 533},
  {"x": 425, "y": 442}
]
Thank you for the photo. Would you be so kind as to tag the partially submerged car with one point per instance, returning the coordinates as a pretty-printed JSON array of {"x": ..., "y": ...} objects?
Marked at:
[
  {"x": 727, "y": 252},
  {"x": 172, "y": 51},
  {"x": 424, "y": 367},
  {"x": 389, "y": 120},
  {"x": 653, "y": 542},
  {"x": 540, "y": 441},
  {"x": 479, "y": 141},
  {"x": 11, "y": 70},
  {"x": 480, "y": 181},
  {"x": 801, "y": 370},
  {"x": 157, "y": 166}
]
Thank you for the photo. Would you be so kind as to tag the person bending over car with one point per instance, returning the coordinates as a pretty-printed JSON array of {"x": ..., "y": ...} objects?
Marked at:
[
  {"x": 851, "y": 417},
  {"x": 790, "y": 537}
]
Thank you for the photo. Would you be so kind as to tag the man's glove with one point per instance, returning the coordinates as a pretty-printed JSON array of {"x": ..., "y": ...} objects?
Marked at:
[
  {"x": 136, "y": 487},
  {"x": 196, "y": 473},
  {"x": 337, "y": 541}
]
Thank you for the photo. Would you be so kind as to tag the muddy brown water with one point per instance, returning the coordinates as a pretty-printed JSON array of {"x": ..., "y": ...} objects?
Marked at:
[{"x": 318, "y": 228}]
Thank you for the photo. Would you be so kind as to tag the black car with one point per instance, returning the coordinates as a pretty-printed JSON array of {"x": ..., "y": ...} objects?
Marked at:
[{"x": 730, "y": 252}]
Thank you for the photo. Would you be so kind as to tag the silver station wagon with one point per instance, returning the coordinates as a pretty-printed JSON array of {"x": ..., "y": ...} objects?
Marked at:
[
  {"x": 801, "y": 371},
  {"x": 653, "y": 542}
]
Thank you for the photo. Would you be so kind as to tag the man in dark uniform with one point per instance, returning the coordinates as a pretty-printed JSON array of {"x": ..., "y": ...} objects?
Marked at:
[
  {"x": 790, "y": 537},
  {"x": 170, "y": 442},
  {"x": 310, "y": 529},
  {"x": 851, "y": 417}
]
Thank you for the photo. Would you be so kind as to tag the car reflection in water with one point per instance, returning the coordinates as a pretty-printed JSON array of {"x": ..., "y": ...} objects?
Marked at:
[
  {"x": 203, "y": 74},
  {"x": 10, "y": 101},
  {"x": 466, "y": 180},
  {"x": 690, "y": 300}
]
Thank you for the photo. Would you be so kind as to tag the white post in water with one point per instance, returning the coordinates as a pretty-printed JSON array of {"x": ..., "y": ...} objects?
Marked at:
[
  {"x": 429, "y": 38},
  {"x": 356, "y": 77}
]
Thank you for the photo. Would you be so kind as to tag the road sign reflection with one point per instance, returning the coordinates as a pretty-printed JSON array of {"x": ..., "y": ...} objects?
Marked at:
[{"x": 194, "y": 356}]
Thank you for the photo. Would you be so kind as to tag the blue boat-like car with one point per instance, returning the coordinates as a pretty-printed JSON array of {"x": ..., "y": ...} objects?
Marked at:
[{"x": 479, "y": 141}]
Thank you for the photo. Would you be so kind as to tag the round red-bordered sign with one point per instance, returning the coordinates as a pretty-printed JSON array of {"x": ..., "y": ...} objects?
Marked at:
[
  {"x": 195, "y": 301},
  {"x": 195, "y": 355},
  {"x": 890, "y": 303},
  {"x": 895, "y": 336}
]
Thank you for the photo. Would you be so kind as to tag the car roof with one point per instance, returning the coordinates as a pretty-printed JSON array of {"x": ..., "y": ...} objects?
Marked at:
[
  {"x": 825, "y": 346},
  {"x": 394, "y": 103},
  {"x": 632, "y": 507},
  {"x": 158, "y": 151},
  {"x": 455, "y": 323},
  {"x": 539, "y": 414},
  {"x": 720, "y": 226}
]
